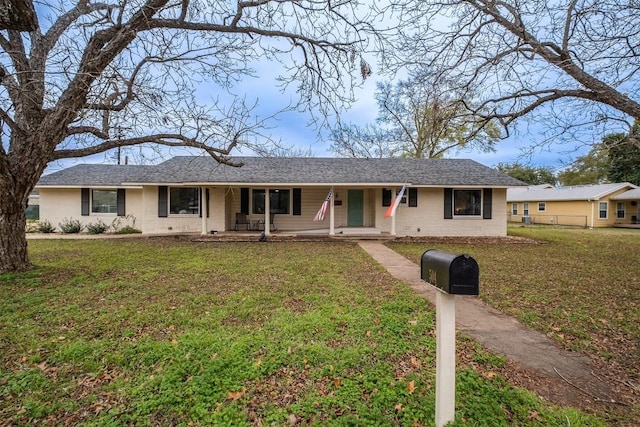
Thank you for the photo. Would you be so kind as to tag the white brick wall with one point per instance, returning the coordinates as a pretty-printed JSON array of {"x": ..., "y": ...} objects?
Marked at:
[{"x": 427, "y": 219}]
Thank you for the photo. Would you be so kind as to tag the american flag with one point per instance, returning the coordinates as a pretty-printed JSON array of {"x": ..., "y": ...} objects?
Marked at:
[
  {"x": 323, "y": 209},
  {"x": 394, "y": 205}
]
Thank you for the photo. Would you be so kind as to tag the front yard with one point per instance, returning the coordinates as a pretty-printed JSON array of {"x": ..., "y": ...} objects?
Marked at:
[
  {"x": 170, "y": 332},
  {"x": 579, "y": 286}
]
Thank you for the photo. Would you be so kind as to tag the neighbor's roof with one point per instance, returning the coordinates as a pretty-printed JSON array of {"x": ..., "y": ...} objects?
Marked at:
[
  {"x": 287, "y": 170},
  {"x": 628, "y": 195},
  {"x": 576, "y": 192}
]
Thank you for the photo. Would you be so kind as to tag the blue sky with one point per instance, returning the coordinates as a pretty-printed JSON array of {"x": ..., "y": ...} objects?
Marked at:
[{"x": 293, "y": 128}]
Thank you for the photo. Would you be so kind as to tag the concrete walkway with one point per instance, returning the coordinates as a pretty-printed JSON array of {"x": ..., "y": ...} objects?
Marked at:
[{"x": 504, "y": 335}]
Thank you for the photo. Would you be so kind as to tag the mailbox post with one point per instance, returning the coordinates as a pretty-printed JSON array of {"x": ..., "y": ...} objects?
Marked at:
[{"x": 451, "y": 275}]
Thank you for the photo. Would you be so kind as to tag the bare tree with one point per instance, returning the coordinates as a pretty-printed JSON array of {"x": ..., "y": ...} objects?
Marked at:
[
  {"x": 368, "y": 141},
  {"x": 421, "y": 117},
  {"x": 579, "y": 59},
  {"x": 93, "y": 76}
]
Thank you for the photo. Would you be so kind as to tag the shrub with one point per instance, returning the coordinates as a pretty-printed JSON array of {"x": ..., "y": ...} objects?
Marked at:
[
  {"x": 32, "y": 226},
  {"x": 46, "y": 227},
  {"x": 70, "y": 226},
  {"x": 97, "y": 228},
  {"x": 129, "y": 226},
  {"x": 128, "y": 229}
]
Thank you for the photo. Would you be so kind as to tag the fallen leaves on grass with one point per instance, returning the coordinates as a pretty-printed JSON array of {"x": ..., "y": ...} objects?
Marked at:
[{"x": 236, "y": 395}]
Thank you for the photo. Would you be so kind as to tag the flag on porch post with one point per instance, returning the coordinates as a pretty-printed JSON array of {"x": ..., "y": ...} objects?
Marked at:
[
  {"x": 394, "y": 204},
  {"x": 323, "y": 209}
]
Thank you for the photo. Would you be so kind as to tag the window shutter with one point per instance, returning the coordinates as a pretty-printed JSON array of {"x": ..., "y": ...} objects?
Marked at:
[
  {"x": 486, "y": 203},
  {"x": 202, "y": 196},
  {"x": 84, "y": 201},
  {"x": 244, "y": 201},
  {"x": 163, "y": 196},
  {"x": 120, "y": 202},
  {"x": 297, "y": 201},
  {"x": 208, "y": 198},
  {"x": 386, "y": 197},
  {"x": 448, "y": 203},
  {"x": 413, "y": 197}
]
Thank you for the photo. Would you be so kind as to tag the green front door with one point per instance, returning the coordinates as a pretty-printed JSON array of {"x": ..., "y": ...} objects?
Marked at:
[{"x": 355, "y": 208}]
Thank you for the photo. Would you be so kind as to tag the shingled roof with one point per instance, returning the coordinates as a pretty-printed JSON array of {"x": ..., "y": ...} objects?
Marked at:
[
  {"x": 94, "y": 175},
  {"x": 633, "y": 194},
  {"x": 287, "y": 170},
  {"x": 575, "y": 192}
]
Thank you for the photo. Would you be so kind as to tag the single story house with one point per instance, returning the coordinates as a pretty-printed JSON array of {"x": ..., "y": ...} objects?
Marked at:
[
  {"x": 443, "y": 197},
  {"x": 602, "y": 205}
]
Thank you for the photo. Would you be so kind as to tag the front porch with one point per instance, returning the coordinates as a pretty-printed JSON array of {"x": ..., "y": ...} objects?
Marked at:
[
  {"x": 316, "y": 232},
  {"x": 344, "y": 231}
]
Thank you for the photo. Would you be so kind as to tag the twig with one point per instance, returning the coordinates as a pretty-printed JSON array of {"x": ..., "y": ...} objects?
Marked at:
[
  {"x": 630, "y": 384},
  {"x": 593, "y": 396},
  {"x": 627, "y": 383}
]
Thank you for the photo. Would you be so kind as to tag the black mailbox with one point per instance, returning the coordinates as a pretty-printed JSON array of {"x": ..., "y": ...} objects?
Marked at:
[{"x": 454, "y": 274}]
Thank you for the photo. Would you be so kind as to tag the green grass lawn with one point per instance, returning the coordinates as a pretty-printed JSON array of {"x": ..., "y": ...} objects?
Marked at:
[
  {"x": 579, "y": 286},
  {"x": 169, "y": 332}
]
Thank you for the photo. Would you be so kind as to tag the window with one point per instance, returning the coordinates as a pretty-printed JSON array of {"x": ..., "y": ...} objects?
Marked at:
[
  {"x": 542, "y": 206},
  {"x": 404, "y": 199},
  {"x": 514, "y": 209},
  {"x": 104, "y": 201},
  {"x": 603, "y": 207},
  {"x": 525, "y": 209},
  {"x": 279, "y": 202},
  {"x": 184, "y": 201},
  {"x": 620, "y": 210},
  {"x": 467, "y": 202}
]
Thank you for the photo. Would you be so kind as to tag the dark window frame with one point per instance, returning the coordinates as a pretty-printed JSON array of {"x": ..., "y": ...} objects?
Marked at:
[
  {"x": 98, "y": 194},
  {"x": 280, "y": 201},
  {"x": 471, "y": 208},
  {"x": 176, "y": 204}
]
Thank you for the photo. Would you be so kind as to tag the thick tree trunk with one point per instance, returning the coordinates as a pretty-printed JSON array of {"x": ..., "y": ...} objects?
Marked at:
[{"x": 13, "y": 240}]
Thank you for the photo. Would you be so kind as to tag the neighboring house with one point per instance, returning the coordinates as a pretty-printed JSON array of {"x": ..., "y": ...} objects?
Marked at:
[
  {"x": 444, "y": 197},
  {"x": 602, "y": 205}
]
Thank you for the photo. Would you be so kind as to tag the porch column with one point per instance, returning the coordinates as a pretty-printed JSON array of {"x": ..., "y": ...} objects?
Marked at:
[
  {"x": 267, "y": 212},
  {"x": 203, "y": 209},
  {"x": 393, "y": 217},
  {"x": 332, "y": 222}
]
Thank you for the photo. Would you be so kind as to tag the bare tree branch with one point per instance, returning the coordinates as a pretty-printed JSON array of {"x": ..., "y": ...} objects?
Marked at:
[
  {"x": 528, "y": 56},
  {"x": 421, "y": 117},
  {"x": 95, "y": 76},
  {"x": 168, "y": 140}
]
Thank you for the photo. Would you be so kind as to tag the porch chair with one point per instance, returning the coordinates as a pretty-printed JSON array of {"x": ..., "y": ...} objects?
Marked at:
[
  {"x": 241, "y": 219},
  {"x": 272, "y": 225}
]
